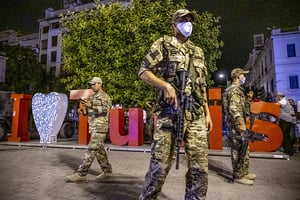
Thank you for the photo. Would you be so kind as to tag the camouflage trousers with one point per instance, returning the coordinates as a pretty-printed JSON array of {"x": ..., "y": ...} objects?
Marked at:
[
  {"x": 163, "y": 154},
  {"x": 240, "y": 169},
  {"x": 95, "y": 149}
]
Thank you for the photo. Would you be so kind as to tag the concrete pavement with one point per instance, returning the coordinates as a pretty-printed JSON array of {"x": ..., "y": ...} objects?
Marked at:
[{"x": 30, "y": 172}]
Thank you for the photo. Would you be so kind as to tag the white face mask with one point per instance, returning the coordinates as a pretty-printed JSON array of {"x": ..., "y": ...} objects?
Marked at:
[
  {"x": 185, "y": 28},
  {"x": 243, "y": 80}
]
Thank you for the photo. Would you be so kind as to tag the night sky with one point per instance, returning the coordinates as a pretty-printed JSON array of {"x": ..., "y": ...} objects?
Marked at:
[{"x": 241, "y": 19}]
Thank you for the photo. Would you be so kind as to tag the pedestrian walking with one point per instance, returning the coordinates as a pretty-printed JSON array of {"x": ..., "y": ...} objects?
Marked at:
[{"x": 97, "y": 108}]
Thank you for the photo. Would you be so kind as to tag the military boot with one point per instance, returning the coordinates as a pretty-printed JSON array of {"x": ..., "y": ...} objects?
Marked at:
[
  {"x": 103, "y": 175},
  {"x": 75, "y": 178},
  {"x": 244, "y": 181},
  {"x": 250, "y": 176}
]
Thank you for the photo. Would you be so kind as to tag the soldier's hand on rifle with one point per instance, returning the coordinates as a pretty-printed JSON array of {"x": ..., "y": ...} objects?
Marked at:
[
  {"x": 169, "y": 92},
  {"x": 170, "y": 95}
]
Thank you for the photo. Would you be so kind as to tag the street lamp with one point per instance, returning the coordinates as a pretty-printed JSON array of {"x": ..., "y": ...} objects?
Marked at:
[{"x": 224, "y": 76}]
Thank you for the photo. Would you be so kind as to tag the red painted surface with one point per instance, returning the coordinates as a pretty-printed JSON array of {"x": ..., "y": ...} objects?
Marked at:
[
  {"x": 215, "y": 137},
  {"x": 117, "y": 127},
  {"x": 19, "y": 132},
  {"x": 83, "y": 129},
  {"x": 272, "y": 130},
  {"x": 135, "y": 135}
]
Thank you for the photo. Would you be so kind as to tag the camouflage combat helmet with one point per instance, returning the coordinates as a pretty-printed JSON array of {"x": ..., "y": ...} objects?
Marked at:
[
  {"x": 183, "y": 12},
  {"x": 238, "y": 71}
]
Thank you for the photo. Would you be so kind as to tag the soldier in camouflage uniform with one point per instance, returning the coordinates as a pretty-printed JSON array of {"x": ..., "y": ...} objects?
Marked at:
[
  {"x": 236, "y": 120},
  {"x": 167, "y": 56},
  {"x": 97, "y": 108}
]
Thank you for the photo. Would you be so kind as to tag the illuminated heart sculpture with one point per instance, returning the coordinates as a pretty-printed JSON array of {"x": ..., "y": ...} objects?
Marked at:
[{"x": 49, "y": 112}]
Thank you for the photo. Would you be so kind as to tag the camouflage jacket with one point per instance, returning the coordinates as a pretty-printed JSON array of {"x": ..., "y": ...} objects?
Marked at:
[
  {"x": 99, "y": 116},
  {"x": 167, "y": 56},
  {"x": 236, "y": 103}
]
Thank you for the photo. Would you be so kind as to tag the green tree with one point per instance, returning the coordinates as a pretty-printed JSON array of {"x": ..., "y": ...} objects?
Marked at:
[
  {"x": 23, "y": 71},
  {"x": 110, "y": 42}
]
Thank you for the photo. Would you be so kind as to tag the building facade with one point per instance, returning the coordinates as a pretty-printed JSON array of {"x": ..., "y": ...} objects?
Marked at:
[
  {"x": 48, "y": 41},
  {"x": 11, "y": 37},
  {"x": 274, "y": 64},
  {"x": 50, "y": 34}
]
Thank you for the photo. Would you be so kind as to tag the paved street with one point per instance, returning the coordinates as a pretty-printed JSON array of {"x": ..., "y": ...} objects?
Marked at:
[{"x": 29, "y": 172}]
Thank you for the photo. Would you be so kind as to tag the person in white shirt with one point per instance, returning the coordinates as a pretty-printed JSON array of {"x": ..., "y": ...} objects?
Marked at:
[{"x": 285, "y": 123}]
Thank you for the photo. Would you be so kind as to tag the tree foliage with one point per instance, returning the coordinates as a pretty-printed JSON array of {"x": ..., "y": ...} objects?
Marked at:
[
  {"x": 111, "y": 40},
  {"x": 23, "y": 71}
]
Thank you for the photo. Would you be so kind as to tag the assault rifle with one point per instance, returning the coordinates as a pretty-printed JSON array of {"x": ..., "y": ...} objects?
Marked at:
[
  {"x": 180, "y": 112},
  {"x": 247, "y": 136}
]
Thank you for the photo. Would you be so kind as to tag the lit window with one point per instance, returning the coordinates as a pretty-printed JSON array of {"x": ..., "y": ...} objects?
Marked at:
[
  {"x": 294, "y": 82},
  {"x": 291, "y": 50}
]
